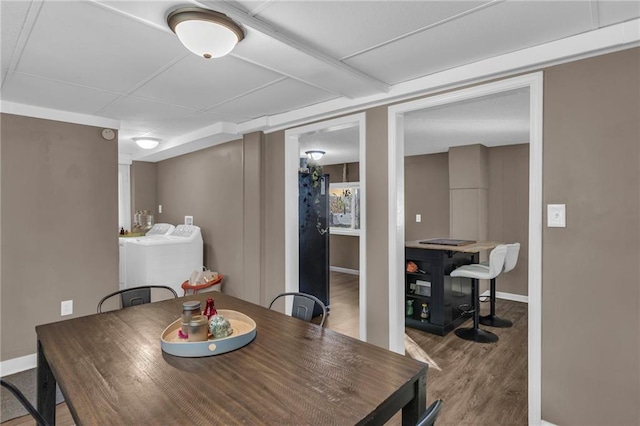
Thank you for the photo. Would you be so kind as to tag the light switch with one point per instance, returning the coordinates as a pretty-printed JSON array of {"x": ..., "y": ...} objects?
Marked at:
[
  {"x": 66, "y": 307},
  {"x": 418, "y": 218},
  {"x": 159, "y": 208},
  {"x": 556, "y": 216}
]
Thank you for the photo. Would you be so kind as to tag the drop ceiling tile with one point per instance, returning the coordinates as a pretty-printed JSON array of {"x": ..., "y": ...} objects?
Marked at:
[
  {"x": 154, "y": 12},
  {"x": 613, "y": 12},
  {"x": 14, "y": 14},
  {"x": 200, "y": 83},
  {"x": 503, "y": 28},
  {"x": 283, "y": 96},
  {"x": 342, "y": 28},
  {"x": 88, "y": 45},
  {"x": 141, "y": 114},
  {"x": 31, "y": 90}
]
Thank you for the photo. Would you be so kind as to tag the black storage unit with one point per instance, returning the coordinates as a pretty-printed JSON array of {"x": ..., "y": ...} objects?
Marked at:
[
  {"x": 446, "y": 295},
  {"x": 313, "y": 233}
]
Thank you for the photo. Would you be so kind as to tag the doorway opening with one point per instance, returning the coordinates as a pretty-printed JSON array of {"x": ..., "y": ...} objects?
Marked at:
[
  {"x": 353, "y": 125},
  {"x": 532, "y": 82}
]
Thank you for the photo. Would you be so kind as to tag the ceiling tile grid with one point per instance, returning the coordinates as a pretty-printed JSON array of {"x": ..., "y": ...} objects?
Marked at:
[
  {"x": 14, "y": 15},
  {"x": 492, "y": 31},
  {"x": 92, "y": 46}
]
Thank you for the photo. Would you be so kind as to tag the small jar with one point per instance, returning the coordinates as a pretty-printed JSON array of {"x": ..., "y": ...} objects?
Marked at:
[
  {"x": 189, "y": 310},
  {"x": 198, "y": 329}
]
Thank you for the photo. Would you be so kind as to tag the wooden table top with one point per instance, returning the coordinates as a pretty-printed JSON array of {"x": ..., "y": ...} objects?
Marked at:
[
  {"x": 111, "y": 370},
  {"x": 476, "y": 247}
]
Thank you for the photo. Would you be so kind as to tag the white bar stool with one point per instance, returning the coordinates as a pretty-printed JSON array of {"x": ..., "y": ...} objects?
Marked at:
[
  {"x": 476, "y": 272},
  {"x": 509, "y": 263}
]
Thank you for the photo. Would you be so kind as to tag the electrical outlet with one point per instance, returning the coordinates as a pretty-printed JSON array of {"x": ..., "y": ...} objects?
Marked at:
[
  {"x": 66, "y": 308},
  {"x": 159, "y": 208},
  {"x": 556, "y": 216},
  {"x": 188, "y": 220}
]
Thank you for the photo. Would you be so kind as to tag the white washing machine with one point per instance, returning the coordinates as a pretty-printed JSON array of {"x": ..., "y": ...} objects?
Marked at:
[
  {"x": 159, "y": 229},
  {"x": 164, "y": 260}
]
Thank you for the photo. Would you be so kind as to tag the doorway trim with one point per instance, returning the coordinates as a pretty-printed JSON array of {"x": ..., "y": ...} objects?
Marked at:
[
  {"x": 534, "y": 82},
  {"x": 291, "y": 166}
]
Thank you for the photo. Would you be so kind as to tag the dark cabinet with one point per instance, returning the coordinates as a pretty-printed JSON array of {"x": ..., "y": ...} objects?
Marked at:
[{"x": 432, "y": 285}]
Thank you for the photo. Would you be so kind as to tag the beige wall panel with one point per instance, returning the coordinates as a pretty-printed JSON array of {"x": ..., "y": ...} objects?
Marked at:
[
  {"x": 377, "y": 267},
  {"x": 59, "y": 225},
  {"x": 143, "y": 188},
  {"x": 273, "y": 253},
  {"x": 253, "y": 213},
  {"x": 344, "y": 251},
  {"x": 509, "y": 210},
  {"x": 336, "y": 172},
  {"x": 590, "y": 317},
  {"x": 426, "y": 187},
  {"x": 208, "y": 185},
  {"x": 468, "y": 167},
  {"x": 464, "y": 214}
]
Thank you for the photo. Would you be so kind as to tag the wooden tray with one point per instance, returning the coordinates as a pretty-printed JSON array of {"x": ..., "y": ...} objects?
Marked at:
[{"x": 244, "y": 331}]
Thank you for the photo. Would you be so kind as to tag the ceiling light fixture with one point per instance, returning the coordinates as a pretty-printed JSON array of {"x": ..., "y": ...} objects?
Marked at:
[
  {"x": 204, "y": 32},
  {"x": 147, "y": 143},
  {"x": 315, "y": 154}
]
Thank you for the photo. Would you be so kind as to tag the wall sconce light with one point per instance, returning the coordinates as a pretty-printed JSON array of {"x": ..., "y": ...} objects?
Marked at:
[
  {"x": 147, "y": 143},
  {"x": 314, "y": 154},
  {"x": 204, "y": 32}
]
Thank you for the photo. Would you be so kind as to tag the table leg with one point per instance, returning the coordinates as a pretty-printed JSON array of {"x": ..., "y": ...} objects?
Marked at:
[
  {"x": 46, "y": 388},
  {"x": 415, "y": 408}
]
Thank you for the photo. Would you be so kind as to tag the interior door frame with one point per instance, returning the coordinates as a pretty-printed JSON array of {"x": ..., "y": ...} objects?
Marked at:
[
  {"x": 291, "y": 166},
  {"x": 534, "y": 82}
]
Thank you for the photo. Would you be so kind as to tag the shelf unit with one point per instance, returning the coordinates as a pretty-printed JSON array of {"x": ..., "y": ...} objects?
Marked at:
[{"x": 446, "y": 293}]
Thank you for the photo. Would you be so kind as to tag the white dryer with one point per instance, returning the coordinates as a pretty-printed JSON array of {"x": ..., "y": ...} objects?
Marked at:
[
  {"x": 164, "y": 260},
  {"x": 159, "y": 229}
]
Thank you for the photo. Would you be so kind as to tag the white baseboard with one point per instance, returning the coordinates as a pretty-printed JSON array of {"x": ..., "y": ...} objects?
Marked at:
[
  {"x": 507, "y": 296},
  {"x": 543, "y": 422},
  {"x": 16, "y": 365},
  {"x": 344, "y": 270}
]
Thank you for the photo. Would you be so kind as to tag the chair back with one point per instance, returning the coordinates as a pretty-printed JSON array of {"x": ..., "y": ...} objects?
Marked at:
[
  {"x": 25, "y": 402},
  {"x": 135, "y": 295},
  {"x": 496, "y": 260},
  {"x": 431, "y": 414},
  {"x": 512, "y": 257},
  {"x": 303, "y": 305}
]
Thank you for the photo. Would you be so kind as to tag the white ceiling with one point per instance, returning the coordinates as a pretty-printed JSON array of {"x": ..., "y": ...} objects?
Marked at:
[{"x": 118, "y": 59}]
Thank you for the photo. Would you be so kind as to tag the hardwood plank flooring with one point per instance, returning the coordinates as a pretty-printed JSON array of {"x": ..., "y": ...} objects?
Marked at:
[{"x": 480, "y": 384}]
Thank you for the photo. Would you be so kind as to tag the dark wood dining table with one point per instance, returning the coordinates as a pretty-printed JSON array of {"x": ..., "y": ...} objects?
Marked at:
[{"x": 111, "y": 370}]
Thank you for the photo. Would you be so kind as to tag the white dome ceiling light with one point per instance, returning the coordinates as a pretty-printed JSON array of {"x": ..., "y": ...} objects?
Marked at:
[
  {"x": 147, "y": 143},
  {"x": 204, "y": 32},
  {"x": 315, "y": 154}
]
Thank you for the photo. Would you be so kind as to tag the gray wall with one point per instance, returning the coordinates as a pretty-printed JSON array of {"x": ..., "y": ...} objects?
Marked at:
[
  {"x": 590, "y": 273},
  {"x": 143, "y": 188},
  {"x": 426, "y": 192},
  {"x": 344, "y": 250},
  {"x": 509, "y": 210},
  {"x": 208, "y": 185},
  {"x": 59, "y": 224}
]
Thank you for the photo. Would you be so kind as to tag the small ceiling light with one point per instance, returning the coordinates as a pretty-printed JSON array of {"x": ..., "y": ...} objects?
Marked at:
[
  {"x": 204, "y": 32},
  {"x": 314, "y": 154},
  {"x": 147, "y": 143}
]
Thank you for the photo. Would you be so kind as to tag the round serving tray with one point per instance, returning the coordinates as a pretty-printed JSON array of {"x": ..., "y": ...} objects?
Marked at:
[{"x": 244, "y": 331}]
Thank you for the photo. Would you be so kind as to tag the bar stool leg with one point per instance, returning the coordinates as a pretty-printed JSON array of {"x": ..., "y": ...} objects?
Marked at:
[
  {"x": 492, "y": 320},
  {"x": 476, "y": 334}
]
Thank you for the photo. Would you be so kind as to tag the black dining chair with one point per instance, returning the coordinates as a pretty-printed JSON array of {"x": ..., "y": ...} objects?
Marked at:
[
  {"x": 135, "y": 295},
  {"x": 24, "y": 402},
  {"x": 303, "y": 306},
  {"x": 431, "y": 414}
]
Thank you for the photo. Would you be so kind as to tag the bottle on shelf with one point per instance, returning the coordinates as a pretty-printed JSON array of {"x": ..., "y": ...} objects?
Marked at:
[
  {"x": 410, "y": 307},
  {"x": 424, "y": 313}
]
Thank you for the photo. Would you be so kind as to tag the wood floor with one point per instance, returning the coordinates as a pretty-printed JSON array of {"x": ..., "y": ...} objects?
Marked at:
[{"x": 480, "y": 384}]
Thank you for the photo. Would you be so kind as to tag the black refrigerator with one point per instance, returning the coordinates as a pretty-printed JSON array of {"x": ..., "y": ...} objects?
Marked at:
[{"x": 313, "y": 233}]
